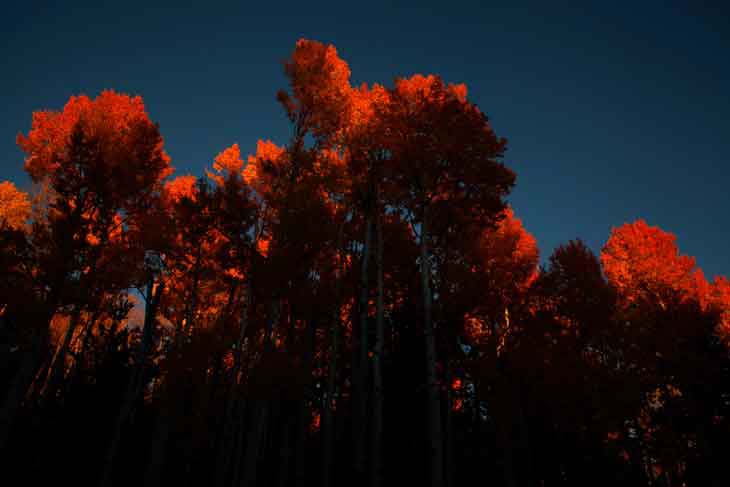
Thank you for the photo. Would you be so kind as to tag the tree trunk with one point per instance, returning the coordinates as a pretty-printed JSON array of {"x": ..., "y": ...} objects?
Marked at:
[
  {"x": 329, "y": 402},
  {"x": 360, "y": 379},
  {"x": 434, "y": 403},
  {"x": 156, "y": 464},
  {"x": 377, "y": 426},
  {"x": 285, "y": 448},
  {"x": 229, "y": 444},
  {"x": 14, "y": 400},
  {"x": 163, "y": 426},
  {"x": 449, "y": 427},
  {"x": 136, "y": 381},
  {"x": 59, "y": 361},
  {"x": 256, "y": 434},
  {"x": 254, "y": 442},
  {"x": 190, "y": 312},
  {"x": 303, "y": 412},
  {"x": 86, "y": 333}
]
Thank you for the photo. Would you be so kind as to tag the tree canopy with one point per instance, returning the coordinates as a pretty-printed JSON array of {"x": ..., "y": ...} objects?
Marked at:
[{"x": 360, "y": 305}]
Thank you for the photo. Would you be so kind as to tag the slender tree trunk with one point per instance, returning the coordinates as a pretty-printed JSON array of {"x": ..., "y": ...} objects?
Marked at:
[
  {"x": 504, "y": 405},
  {"x": 329, "y": 402},
  {"x": 87, "y": 332},
  {"x": 254, "y": 442},
  {"x": 25, "y": 380},
  {"x": 193, "y": 297},
  {"x": 434, "y": 402},
  {"x": 303, "y": 420},
  {"x": 156, "y": 464},
  {"x": 377, "y": 426},
  {"x": 58, "y": 365},
  {"x": 239, "y": 428},
  {"x": 361, "y": 376},
  {"x": 14, "y": 399},
  {"x": 286, "y": 408},
  {"x": 163, "y": 426},
  {"x": 286, "y": 451},
  {"x": 449, "y": 426},
  {"x": 256, "y": 434},
  {"x": 136, "y": 379},
  {"x": 229, "y": 444}
]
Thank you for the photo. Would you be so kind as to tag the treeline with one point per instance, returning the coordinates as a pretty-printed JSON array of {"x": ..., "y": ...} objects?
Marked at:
[{"x": 358, "y": 307}]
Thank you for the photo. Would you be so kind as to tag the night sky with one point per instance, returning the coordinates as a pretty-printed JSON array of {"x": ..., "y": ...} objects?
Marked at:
[{"x": 613, "y": 112}]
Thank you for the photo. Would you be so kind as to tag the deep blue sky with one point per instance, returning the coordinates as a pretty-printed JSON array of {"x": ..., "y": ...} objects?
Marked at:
[{"x": 613, "y": 112}]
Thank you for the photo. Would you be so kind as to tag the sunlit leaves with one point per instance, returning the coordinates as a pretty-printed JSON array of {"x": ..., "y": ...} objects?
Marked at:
[
  {"x": 643, "y": 262},
  {"x": 320, "y": 84},
  {"x": 226, "y": 164},
  {"x": 126, "y": 145},
  {"x": 14, "y": 206}
]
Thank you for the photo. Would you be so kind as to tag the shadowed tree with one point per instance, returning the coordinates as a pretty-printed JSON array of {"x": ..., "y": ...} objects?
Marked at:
[
  {"x": 445, "y": 174},
  {"x": 102, "y": 161}
]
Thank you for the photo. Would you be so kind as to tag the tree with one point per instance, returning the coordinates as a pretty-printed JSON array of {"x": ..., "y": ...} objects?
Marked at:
[
  {"x": 444, "y": 172},
  {"x": 102, "y": 161}
]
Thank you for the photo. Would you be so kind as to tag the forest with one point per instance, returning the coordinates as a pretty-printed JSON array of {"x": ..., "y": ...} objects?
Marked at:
[{"x": 358, "y": 307}]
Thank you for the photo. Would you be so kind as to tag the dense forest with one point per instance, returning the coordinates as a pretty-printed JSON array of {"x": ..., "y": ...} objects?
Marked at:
[{"x": 358, "y": 307}]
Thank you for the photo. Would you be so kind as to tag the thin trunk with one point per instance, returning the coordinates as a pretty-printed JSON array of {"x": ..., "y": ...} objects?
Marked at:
[
  {"x": 83, "y": 340},
  {"x": 228, "y": 444},
  {"x": 239, "y": 429},
  {"x": 361, "y": 391},
  {"x": 163, "y": 427},
  {"x": 257, "y": 432},
  {"x": 449, "y": 427},
  {"x": 14, "y": 399},
  {"x": 504, "y": 404},
  {"x": 434, "y": 402},
  {"x": 156, "y": 464},
  {"x": 193, "y": 297},
  {"x": 58, "y": 365},
  {"x": 377, "y": 427},
  {"x": 285, "y": 449},
  {"x": 524, "y": 437},
  {"x": 303, "y": 423},
  {"x": 32, "y": 368},
  {"x": 255, "y": 439},
  {"x": 136, "y": 380},
  {"x": 329, "y": 400}
]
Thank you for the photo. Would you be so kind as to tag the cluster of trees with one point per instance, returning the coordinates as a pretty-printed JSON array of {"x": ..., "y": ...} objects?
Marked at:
[{"x": 358, "y": 307}]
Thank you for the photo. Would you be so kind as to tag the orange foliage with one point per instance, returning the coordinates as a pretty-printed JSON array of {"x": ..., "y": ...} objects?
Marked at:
[
  {"x": 364, "y": 104},
  {"x": 14, "y": 206},
  {"x": 181, "y": 187},
  {"x": 262, "y": 245},
  {"x": 266, "y": 152},
  {"x": 226, "y": 164},
  {"x": 234, "y": 274},
  {"x": 510, "y": 252},
  {"x": 643, "y": 261},
  {"x": 420, "y": 87},
  {"x": 320, "y": 83},
  {"x": 92, "y": 240},
  {"x": 117, "y": 123}
]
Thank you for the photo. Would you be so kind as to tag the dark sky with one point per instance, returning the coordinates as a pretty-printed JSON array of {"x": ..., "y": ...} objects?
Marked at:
[{"x": 613, "y": 112}]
